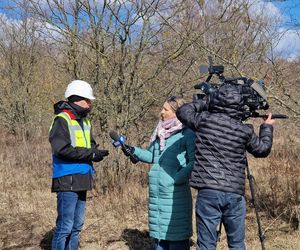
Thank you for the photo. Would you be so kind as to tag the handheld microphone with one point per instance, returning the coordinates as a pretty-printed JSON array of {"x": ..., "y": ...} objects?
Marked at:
[{"x": 119, "y": 140}]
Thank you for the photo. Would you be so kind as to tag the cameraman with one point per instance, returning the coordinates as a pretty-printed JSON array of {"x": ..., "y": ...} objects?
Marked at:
[{"x": 220, "y": 161}]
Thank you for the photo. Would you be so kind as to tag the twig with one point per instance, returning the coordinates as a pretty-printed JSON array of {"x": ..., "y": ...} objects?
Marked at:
[{"x": 274, "y": 221}]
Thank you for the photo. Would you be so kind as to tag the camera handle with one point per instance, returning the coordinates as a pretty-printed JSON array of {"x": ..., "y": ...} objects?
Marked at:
[
  {"x": 253, "y": 201},
  {"x": 220, "y": 76}
]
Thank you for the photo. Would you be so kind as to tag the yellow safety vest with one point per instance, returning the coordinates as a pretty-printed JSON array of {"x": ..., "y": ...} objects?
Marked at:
[{"x": 79, "y": 137}]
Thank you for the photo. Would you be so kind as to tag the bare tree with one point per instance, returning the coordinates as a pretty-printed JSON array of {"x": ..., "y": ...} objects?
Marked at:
[
  {"x": 19, "y": 52},
  {"x": 117, "y": 46}
]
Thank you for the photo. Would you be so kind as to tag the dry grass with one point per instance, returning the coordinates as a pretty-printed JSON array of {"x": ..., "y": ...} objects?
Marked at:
[{"x": 116, "y": 216}]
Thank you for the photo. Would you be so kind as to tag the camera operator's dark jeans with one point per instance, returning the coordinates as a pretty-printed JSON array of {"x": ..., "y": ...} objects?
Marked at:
[{"x": 212, "y": 206}]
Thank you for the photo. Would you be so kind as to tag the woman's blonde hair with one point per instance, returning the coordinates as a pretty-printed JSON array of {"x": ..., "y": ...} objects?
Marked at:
[{"x": 175, "y": 102}]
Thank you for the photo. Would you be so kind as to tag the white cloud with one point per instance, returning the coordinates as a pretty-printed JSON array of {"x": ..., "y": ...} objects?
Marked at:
[
  {"x": 9, "y": 28},
  {"x": 255, "y": 7},
  {"x": 266, "y": 9},
  {"x": 289, "y": 45}
]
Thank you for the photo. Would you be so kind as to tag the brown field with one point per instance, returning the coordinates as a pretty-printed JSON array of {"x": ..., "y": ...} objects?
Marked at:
[
  {"x": 116, "y": 216},
  {"x": 135, "y": 54}
]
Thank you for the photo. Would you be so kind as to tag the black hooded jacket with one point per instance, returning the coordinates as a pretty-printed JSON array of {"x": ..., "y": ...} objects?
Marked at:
[
  {"x": 222, "y": 140},
  {"x": 60, "y": 140}
]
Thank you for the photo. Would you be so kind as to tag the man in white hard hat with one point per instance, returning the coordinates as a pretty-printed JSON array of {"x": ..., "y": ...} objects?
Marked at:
[{"x": 73, "y": 151}]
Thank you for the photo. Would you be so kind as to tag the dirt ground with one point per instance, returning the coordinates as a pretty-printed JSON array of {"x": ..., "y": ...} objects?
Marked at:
[{"x": 111, "y": 223}]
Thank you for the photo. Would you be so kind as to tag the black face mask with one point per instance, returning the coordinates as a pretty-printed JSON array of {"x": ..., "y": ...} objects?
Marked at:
[{"x": 82, "y": 112}]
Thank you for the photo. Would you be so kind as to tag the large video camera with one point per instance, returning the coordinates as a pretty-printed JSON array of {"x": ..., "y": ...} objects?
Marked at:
[{"x": 253, "y": 92}]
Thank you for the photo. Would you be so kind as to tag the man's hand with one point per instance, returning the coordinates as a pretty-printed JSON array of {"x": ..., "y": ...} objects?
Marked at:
[
  {"x": 269, "y": 119},
  {"x": 99, "y": 154}
]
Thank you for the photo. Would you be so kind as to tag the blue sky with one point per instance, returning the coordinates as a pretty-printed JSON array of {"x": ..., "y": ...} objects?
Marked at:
[
  {"x": 288, "y": 10},
  {"x": 290, "y": 13}
]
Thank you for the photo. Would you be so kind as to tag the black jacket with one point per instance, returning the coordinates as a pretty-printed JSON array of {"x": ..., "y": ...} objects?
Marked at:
[
  {"x": 222, "y": 140},
  {"x": 59, "y": 138}
]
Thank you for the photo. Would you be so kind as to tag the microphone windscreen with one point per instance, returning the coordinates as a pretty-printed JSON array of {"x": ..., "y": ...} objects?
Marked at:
[{"x": 113, "y": 135}]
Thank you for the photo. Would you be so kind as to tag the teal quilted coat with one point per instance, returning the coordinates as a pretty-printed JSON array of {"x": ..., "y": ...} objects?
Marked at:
[{"x": 170, "y": 200}]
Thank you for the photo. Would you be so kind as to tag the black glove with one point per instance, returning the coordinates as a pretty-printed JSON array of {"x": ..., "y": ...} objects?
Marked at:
[
  {"x": 99, "y": 154},
  {"x": 127, "y": 150},
  {"x": 134, "y": 159}
]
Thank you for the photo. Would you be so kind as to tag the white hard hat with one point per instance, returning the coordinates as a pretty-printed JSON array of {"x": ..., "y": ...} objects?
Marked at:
[{"x": 80, "y": 88}]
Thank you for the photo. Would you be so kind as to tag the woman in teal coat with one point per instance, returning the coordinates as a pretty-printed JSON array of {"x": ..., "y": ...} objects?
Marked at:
[{"x": 170, "y": 202}]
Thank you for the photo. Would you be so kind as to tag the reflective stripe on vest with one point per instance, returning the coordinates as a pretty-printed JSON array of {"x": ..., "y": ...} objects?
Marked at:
[{"x": 79, "y": 137}]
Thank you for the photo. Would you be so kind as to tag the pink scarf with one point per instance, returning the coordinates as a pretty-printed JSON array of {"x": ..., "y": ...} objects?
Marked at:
[{"x": 165, "y": 129}]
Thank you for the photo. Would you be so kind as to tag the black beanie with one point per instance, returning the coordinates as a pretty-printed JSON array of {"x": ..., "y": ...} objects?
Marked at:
[{"x": 75, "y": 98}]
